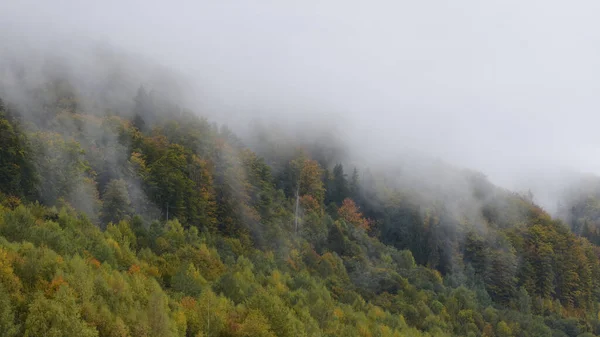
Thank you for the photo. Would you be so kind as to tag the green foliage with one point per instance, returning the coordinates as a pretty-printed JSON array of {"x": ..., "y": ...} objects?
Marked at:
[
  {"x": 338, "y": 187},
  {"x": 8, "y": 324},
  {"x": 60, "y": 164},
  {"x": 58, "y": 316},
  {"x": 116, "y": 204},
  {"x": 17, "y": 173},
  {"x": 156, "y": 227}
]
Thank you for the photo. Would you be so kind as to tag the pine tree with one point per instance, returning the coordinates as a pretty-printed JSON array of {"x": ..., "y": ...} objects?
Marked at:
[{"x": 339, "y": 185}]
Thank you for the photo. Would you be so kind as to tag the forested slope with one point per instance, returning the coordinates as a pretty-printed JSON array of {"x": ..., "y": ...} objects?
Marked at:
[{"x": 155, "y": 222}]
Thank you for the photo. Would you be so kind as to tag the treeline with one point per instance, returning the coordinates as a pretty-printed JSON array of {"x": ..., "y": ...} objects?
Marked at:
[{"x": 154, "y": 222}]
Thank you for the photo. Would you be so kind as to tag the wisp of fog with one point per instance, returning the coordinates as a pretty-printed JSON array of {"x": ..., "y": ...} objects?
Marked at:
[{"x": 504, "y": 87}]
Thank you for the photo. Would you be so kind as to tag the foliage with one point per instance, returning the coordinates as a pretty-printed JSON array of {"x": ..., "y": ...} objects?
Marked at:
[{"x": 135, "y": 224}]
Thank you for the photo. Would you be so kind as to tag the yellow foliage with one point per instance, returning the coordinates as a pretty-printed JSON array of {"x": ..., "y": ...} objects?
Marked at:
[
  {"x": 338, "y": 313},
  {"x": 254, "y": 325},
  {"x": 180, "y": 320},
  {"x": 276, "y": 281},
  {"x": 7, "y": 275},
  {"x": 376, "y": 313},
  {"x": 363, "y": 330}
]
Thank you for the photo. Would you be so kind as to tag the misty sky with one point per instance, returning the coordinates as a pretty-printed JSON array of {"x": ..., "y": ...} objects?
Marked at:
[{"x": 505, "y": 87}]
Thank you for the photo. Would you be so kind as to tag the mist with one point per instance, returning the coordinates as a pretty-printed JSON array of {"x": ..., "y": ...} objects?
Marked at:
[{"x": 505, "y": 87}]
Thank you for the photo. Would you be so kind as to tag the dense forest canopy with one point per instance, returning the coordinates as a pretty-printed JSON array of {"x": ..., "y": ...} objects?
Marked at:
[
  {"x": 326, "y": 168},
  {"x": 138, "y": 217}
]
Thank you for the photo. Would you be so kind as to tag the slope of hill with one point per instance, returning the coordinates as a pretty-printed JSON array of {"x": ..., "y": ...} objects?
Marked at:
[{"x": 155, "y": 222}]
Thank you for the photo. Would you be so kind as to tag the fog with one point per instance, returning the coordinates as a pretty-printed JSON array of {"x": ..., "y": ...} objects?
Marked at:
[{"x": 508, "y": 88}]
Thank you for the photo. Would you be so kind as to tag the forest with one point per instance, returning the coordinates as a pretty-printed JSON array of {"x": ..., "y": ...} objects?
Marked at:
[{"x": 154, "y": 221}]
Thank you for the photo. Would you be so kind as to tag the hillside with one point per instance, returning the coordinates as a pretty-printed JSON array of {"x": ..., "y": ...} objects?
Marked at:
[{"x": 152, "y": 221}]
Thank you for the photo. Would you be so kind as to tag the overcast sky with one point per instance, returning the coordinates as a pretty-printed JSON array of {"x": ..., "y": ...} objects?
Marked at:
[{"x": 505, "y": 87}]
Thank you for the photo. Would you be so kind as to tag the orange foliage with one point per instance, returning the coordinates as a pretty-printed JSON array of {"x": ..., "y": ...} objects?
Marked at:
[
  {"x": 55, "y": 284},
  {"x": 188, "y": 303},
  {"x": 94, "y": 262},
  {"x": 349, "y": 212},
  {"x": 488, "y": 330},
  {"x": 292, "y": 263},
  {"x": 7, "y": 275},
  {"x": 134, "y": 269},
  {"x": 309, "y": 203}
]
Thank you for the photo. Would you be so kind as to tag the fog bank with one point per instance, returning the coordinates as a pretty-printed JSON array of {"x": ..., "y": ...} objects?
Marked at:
[{"x": 504, "y": 87}]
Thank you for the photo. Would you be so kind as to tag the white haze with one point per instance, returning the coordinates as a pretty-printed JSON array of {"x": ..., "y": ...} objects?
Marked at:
[{"x": 509, "y": 88}]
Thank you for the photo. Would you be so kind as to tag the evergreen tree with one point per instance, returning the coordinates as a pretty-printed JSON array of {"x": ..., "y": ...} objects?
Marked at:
[
  {"x": 116, "y": 204},
  {"x": 17, "y": 173},
  {"x": 143, "y": 110},
  {"x": 354, "y": 187},
  {"x": 338, "y": 188}
]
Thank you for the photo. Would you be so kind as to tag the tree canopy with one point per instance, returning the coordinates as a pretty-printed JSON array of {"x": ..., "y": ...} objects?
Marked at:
[{"x": 154, "y": 222}]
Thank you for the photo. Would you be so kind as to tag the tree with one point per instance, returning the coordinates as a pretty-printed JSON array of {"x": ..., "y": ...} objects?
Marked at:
[
  {"x": 255, "y": 324},
  {"x": 188, "y": 280},
  {"x": 56, "y": 317},
  {"x": 280, "y": 317},
  {"x": 17, "y": 173},
  {"x": 8, "y": 327},
  {"x": 210, "y": 314},
  {"x": 306, "y": 177},
  {"x": 340, "y": 187},
  {"x": 350, "y": 213},
  {"x": 503, "y": 330},
  {"x": 116, "y": 204},
  {"x": 178, "y": 182},
  {"x": 143, "y": 111},
  {"x": 354, "y": 185},
  {"x": 61, "y": 164},
  {"x": 158, "y": 315}
]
